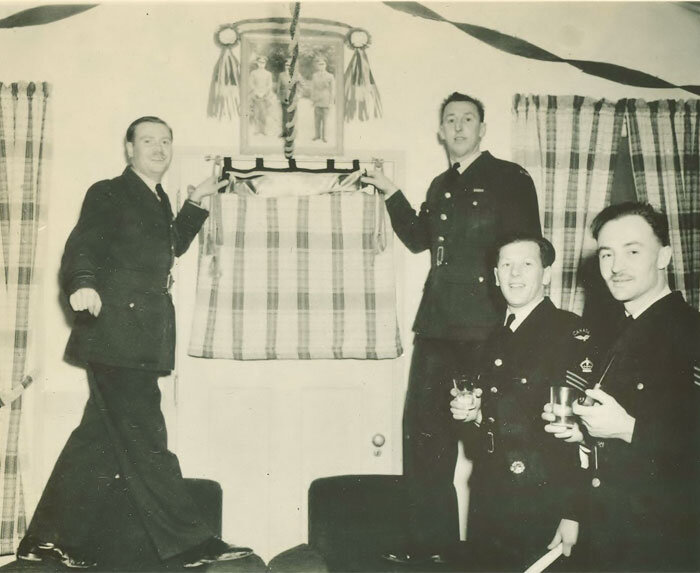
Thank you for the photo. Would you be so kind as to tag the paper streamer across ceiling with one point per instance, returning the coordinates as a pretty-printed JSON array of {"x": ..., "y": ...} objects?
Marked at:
[
  {"x": 43, "y": 15},
  {"x": 519, "y": 47}
]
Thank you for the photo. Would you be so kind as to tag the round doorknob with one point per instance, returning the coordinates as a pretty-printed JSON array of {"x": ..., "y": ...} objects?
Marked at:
[{"x": 378, "y": 440}]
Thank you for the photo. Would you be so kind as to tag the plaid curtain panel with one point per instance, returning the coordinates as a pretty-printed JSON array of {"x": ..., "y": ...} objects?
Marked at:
[
  {"x": 568, "y": 145},
  {"x": 296, "y": 278},
  {"x": 665, "y": 153},
  {"x": 23, "y": 114}
]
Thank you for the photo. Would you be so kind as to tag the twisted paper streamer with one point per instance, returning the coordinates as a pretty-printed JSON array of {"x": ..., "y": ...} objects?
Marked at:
[
  {"x": 519, "y": 47},
  {"x": 290, "y": 128}
]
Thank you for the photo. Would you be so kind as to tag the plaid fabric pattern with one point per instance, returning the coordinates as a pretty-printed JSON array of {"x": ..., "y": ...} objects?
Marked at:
[
  {"x": 23, "y": 108},
  {"x": 664, "y": 146},
  {"x": 296, "y": 278},
  {"x": 568, "y": 145}
]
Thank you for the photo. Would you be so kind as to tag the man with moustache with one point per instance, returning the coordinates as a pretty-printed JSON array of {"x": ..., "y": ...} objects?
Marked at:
[
  {"x": 468, "y": 207},
  {"x": 523, "y": 486},
  {"x": 642, "y": 431},
  {"x": 116, "y": 274}
]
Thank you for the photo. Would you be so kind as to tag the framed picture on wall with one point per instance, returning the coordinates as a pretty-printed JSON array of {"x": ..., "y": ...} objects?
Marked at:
[{"x": 265, "y": 73}]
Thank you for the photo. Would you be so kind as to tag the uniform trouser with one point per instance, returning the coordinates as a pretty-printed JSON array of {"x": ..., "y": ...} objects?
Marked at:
[
  {"x": 320, "y": 120},
  {"x": 121, "y": 440},
  {"x": 430, "y": 441}
]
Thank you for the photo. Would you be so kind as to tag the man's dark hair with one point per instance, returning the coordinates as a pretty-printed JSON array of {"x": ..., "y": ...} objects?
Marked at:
[
  {"x": 456, "y": 96},
  {"x": 547, "y": 252},
  {"x": 657, "y": 220},
  {"x": 131, "y": 130}
]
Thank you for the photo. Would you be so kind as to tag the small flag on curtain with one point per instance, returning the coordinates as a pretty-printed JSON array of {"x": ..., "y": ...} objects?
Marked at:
[
  {"x": 223, "y": 94},
  {"x": 361, "y": 94}
]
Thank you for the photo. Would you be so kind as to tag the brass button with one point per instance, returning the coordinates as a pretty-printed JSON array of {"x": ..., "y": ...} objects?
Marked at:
[
  {"x": 475, "y": 203},
  {"x": 443, "y": 216},
  {"x": 640, "y": 386},
  {"x": 117, "y": 476},
  {"x": 481, "y": 279},
  {"x": 517, "y": 467},
  {"x": 523, "y": 380},
  {"x": 595, "y": 482},
  {"x": 448, "y": 195},
  {"x": 131, "y": 305},
  {"x": 498, "y": 362},
  {"x": 441, "y": 239},
  {"x": 494, "y": 390}
]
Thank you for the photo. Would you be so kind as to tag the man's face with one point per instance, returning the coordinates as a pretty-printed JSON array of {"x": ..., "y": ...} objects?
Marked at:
[
  {"x": 151, "y": 151},
  {"x": 520, "y": 274},
  {"x": 631, "y": 258},
  {"x": 461, "y": 129},
  {"x": 320, "y": 65}
]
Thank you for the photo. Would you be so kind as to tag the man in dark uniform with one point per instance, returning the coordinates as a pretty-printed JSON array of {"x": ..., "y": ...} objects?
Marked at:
[
  {"x": 116, "y": 273},
  {"x": 642, "y": 431},
  {"x": 522, "y": 487},
  {"x": 467, "y": 208}
]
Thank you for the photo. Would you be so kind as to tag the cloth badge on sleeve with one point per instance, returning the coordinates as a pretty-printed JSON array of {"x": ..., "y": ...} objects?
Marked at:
[{"x": 696, "y": 374}]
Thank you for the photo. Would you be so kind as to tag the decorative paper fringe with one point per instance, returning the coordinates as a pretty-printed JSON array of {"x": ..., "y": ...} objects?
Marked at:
[
  {"x": 361, "y": 93},
  {"x": 223, "y": 95}
]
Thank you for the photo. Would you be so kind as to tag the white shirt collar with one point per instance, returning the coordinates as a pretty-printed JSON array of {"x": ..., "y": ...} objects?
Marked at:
[
  {"x": 467, "y": 161},
  {"x": 637, "y": 307},
  {"x": 522, "y": 313},
  {"x": 148, "y": 181}
]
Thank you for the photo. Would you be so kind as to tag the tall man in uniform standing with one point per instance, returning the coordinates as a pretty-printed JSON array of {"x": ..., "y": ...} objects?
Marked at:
[
  {"x": 467, "y": 208},
  {"x": 643, "y": 430},
  {"x": 116, "y": 274}
]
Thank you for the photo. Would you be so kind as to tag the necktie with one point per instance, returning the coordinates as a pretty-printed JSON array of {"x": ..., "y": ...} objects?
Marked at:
[
  {"x": 160, "y": 193},
  {"x": 509, "y": 320}
]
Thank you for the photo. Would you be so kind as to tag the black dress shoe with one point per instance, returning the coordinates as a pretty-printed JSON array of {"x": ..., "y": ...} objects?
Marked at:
[
  {"x": 214, "y": 550},
  {"x": 406, "y": 558},
  {"x": 44, "y": 551}
]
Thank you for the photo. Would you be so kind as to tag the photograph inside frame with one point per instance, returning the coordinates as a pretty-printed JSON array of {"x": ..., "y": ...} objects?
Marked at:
[{"x": 265, "y": 89}]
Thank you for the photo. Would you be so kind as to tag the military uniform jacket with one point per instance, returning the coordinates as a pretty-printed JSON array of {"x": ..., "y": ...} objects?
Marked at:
[
  {"x": 459, "y": 222},
  {"x": 123, "y": 246},
  {"x": 524, "y": 480},
  {"x": 646, "y": 495}
]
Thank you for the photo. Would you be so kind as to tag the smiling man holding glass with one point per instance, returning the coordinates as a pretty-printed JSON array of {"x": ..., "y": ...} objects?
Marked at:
[
  {"x": 523, "y": 485},
  {"x": 641, "y": 429}
]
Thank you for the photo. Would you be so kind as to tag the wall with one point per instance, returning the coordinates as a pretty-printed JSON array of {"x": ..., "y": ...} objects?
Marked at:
[{"x": 122, "y": 60}]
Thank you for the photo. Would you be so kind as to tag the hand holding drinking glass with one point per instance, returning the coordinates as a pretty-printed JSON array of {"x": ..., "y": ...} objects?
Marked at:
[{"x": 466, "y": 403}]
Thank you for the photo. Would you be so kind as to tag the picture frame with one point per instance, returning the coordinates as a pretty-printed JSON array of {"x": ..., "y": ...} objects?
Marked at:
[{"x": 265, "y": 64}]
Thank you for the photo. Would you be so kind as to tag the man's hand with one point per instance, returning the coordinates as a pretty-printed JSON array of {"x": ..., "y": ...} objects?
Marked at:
[
  {"x": 207, "y": 187},
  {"x": 382, "y": 183},
  {"x": 607, "y": 419},
  {"x": 466, "y": 407},
  {"x": 571, "y": 435},
  {"x": 86, "y": 299},
  {"x": 566, "y": 534}
]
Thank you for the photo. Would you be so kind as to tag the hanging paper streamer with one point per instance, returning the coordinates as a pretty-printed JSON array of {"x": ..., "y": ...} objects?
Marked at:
[
  {"x": 290, "y": 128},
  {"x": 519, "y": 47},
  {"x": 361, "y": 93},
  {"x": 223, "y": 94}
]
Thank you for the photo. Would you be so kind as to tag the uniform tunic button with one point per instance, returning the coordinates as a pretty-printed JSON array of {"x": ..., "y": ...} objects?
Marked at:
[
  {"x": 523, "y": 380},
  {"x": 441, "y": 239},
  {"x": 117, "y": 476},
  {"x": 640, "y": 386},
  {"x": 491, "y": 420},
  {"x": 494, "y": 390},
  {"x": 475, "y": 203},
  {"x": 595, "y": 482},
  {"x": 443, "y": 216},
  {"x": 498, "y": 362},
  {"x": 481, "y": 279},
  {"x": 448, "y": 195},
  {"x": 131, "y": 305}
]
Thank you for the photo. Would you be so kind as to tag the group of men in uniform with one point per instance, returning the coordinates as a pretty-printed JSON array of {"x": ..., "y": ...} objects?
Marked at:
[{"x": 622, "y": 481}]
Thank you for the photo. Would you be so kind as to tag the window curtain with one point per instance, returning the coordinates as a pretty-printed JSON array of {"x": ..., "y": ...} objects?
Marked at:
[
  {"x": 23, "y": 164},
  {"x": 568, "y": 144},
  {"x": 665, "y": 157}
]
